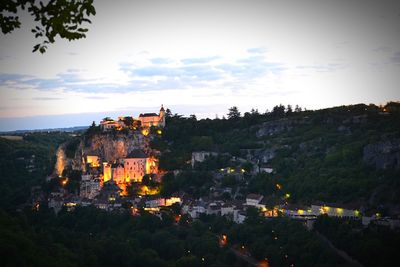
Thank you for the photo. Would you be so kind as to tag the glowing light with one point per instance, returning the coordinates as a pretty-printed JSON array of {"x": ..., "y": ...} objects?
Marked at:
[
  {"x": 339, "y": 211},
  {"x": 64, "y": 182},
  {"x": 278, "y": 186},
  {"x": 287, "y": 195},
  {"x": 223, "y": 240},
  {"x": 357, "y": 213},
  {"x": 242, "y": 170},
  {"x": 145, "y": 131},
  {"x": 324, "y": 210},
  {"x": 301, "y": 212},
  {"x": 159, "y": 132},
  {"x": 222, "y": 170}
]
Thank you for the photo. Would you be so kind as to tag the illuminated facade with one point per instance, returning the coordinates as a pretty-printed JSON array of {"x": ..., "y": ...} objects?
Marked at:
[
  {"x": 333, "y": 210},
  {"x": 118, "y": 173},
  {"x": 107, "y": 125},
  {"x": 106, "y": 171},
  {"x": 93, "y": 161},
  {"x": 153, "y": 119},
  {"x": 145, "y": 120},
  {"x": 135, "y": 166}
]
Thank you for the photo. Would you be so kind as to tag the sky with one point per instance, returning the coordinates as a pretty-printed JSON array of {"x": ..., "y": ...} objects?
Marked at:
[{"x": 202, "y": 57}]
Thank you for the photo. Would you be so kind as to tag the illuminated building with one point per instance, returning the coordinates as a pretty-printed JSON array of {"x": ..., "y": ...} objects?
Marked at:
[
  {"x": 106, "y": 171},
  {"x": 93, "y": 161},
  {"x": 118, "y": 173},
  {"x": 334, "y": 210},
  {"x": 135, "y": 166},
  {"x": 153, "y": 119},
  {"x": 145, "y": 120}
]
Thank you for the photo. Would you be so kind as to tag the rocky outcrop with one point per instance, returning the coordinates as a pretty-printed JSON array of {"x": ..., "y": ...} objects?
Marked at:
[
  {"x": 274, "y": 127},
  {"x": 383, "y": 155},
  {"x": 110, "y": 147},
  {"x": 107, "y": 146},
  {"x": 260, "y": 155}
]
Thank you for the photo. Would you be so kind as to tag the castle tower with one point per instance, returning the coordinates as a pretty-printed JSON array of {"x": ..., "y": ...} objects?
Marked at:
[{"x": 162, "y": 117}]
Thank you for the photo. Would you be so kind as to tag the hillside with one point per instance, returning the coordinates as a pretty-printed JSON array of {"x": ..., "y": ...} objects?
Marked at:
[{"x": 347, "y": 154}]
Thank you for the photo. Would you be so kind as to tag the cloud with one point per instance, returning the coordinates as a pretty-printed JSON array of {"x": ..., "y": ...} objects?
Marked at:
[
  {"x": 160, "y": 73},
  {"x": 257, "y": 50},
  {"x": 330, "y": 67},
  {"x": 161, "y": 60},
  {"x": 157, "y": 74},
  {"x": 396, "y": 58},
  {"x": 252, "y": 67},
  {"x": 200, "y": 60},
  {"x": 46, "y": 98},
  {"x": 10, "y": 77},
  {"x": 96, "y": 97}
]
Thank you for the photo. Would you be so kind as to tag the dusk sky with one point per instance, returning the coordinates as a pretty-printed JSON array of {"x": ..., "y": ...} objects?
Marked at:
[{"x": 202, "y": 57}]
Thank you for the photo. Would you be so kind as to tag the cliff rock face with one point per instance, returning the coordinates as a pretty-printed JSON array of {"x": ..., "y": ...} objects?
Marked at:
[
  {"x": 108, "y": 146},
  {"x": 111, "y": 147},
  {"x": 61, "y": 160},
  {"x": 383, "y": 155}
]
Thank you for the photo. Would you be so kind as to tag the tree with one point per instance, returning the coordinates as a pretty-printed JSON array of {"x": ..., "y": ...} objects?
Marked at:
[
  {"x": 289, "y": 110},
  {"x": 278, "y": 111},
  {"x": 297, "y": 108},
  {"x": 128, "y": 121},
  {"x": 55, "y": 18},
  {"x": 233, "y": 113},
  {"x": 168, "y": 113}
]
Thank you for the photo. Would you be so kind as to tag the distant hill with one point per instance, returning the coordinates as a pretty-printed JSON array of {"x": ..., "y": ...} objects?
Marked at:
[{"x": 67, "y": 129}]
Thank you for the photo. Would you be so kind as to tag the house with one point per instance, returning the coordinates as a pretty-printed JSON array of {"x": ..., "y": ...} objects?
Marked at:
[
  {"x": 253, "y": 200},
  {"x": 227, "y": 209},
  {"x": 200, "y": 156},
  {"x": 172, "y": 200},
  {"x": 90, "y": 188},
  {"x": 296, "y": 211},
  {"x": 118, "y": 173},
  {"x": 240, "y": 217},
  {"x": 214, "y": 208},
  {"x": 265, "y": 169},
  {"x": 108, "y": 124},
  {"x": 155, "y": 202},
  {"x": 334, "y": 210},
  {"x": 109, "y": 193},
  {"x": 196, "y": 208},
  {"x": 93, "y": 161}
]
